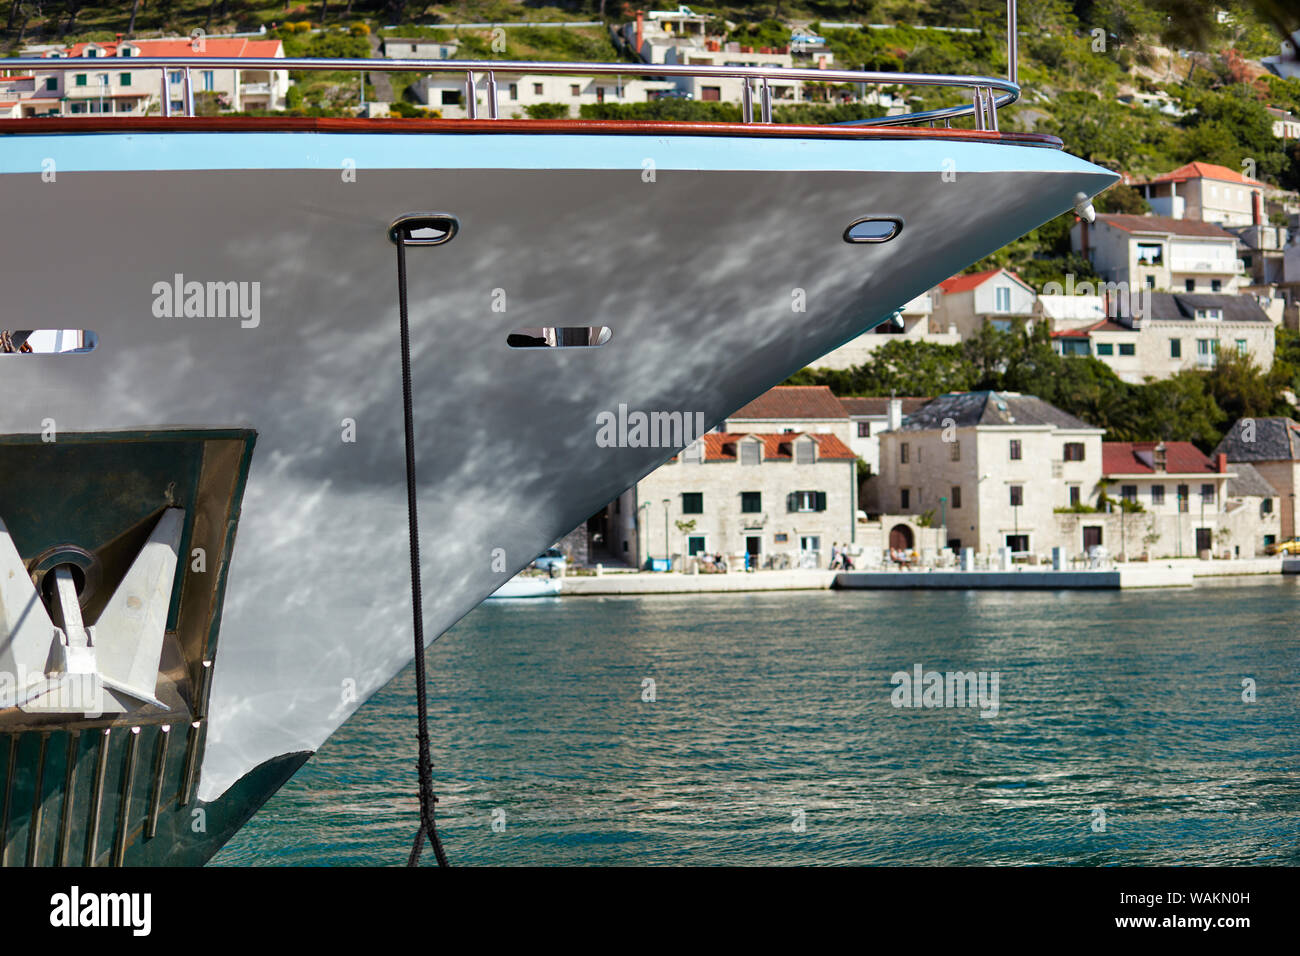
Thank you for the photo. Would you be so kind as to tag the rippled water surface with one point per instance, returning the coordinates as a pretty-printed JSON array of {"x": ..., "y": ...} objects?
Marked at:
[{"x": 768, "y": 704}]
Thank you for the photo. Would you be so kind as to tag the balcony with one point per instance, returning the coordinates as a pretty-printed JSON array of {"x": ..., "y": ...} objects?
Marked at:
[
  {"x": 255, "y": 89},
  {"x": 1224, "y": 267}
]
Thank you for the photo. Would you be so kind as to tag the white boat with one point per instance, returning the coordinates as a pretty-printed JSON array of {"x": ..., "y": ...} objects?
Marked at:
[
  {"x": 525, "y": 586},
  {"x": 241, "y": 281}
]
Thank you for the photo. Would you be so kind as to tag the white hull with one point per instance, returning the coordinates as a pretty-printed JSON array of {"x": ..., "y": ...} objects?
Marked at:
[{"x": 528, "y": 587}]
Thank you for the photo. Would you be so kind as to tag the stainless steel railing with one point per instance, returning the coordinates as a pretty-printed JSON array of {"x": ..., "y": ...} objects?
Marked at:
[{"x": 987, "y": 94}]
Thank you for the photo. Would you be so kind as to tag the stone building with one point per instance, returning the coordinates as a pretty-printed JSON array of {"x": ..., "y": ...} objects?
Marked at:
[
  {"x": 989, "y": 467},
  {"x": 1272, "y": 446},
  {"x": 773, "y": 499}
]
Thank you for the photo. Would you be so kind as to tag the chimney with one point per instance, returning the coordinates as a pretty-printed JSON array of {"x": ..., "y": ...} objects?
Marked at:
[
  {"x": 1083, "y": 237},
  {"x": 895, "y": 413},
  {"x": 1222, "y": 462},
  {"x": 1256, "y": 218},
  {"x": 640, "y": 30}
]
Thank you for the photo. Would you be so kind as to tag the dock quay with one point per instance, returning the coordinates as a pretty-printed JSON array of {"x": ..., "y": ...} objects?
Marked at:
[{"x": 1173, "y": 573}]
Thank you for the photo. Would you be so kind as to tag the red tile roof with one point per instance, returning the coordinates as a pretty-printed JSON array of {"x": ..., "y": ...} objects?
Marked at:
[
  {"x": 879, "y": 406},
  {"x": 212, "y": 46},
  {"x": 1105, "y": 325},
  {"x": 1177, "y": 227},
  {"x": 965, "y": 283},
  {"x": 796, "y": 402},
  {"x": 721, "y": 446},
  {"x": 1205, "y": 171},
  {"x": 1136, "y": 458}
]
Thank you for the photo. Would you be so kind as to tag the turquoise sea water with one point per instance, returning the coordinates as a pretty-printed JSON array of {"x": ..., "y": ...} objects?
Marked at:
[{"x": 774, "y": 707}]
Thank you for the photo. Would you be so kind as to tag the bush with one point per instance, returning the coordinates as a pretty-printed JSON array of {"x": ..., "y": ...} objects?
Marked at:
[{"x": 547, "y": 111}]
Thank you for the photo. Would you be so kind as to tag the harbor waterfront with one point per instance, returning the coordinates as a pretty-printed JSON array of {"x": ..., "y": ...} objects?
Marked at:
[
  {"x": 1121, "y": 735},
  {"x": 1160, "y": 574}
]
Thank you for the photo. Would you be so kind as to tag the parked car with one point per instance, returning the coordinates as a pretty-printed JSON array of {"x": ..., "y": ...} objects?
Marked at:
[
  {"x": 675, "y": 95},
  {"x": 1289, "y": 546},
  {"x": 552, "y": 560}
]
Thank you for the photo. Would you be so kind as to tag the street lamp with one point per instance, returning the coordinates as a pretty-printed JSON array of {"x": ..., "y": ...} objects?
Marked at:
[{"x": 668, "y": 552}]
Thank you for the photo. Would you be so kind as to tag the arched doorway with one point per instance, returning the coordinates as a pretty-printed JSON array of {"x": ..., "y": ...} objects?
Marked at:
[{"x": 900, "y": 538}]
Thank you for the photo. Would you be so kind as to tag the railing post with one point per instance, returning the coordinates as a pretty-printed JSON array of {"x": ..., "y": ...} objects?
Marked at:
[
  {"x": 492, "y": 95},
  {"x": 766, "y": 103},
  {"x": 189, "y": 93},
  {"x": 166, "y": 94},
  {"x": 746, "y": 101},
  {"x": 1013, "y": 69},
  {"x": 471, "y": 97},
  {"x": 979, "y": 108},
  {"x": 991, "y": 97}
]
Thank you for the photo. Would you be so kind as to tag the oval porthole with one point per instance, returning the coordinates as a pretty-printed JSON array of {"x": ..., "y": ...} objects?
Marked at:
[
  {"x": 873, "y": 229},
  {"x": 424, "y": 229}
]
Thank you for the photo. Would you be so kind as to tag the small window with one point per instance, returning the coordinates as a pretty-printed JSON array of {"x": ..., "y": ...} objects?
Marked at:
[
  {"x": 1014, "y": 449},
  {"x": 1266, "y": 506},
  {"x": 1175, "y": 348},
  {"x": 903, "y": 453},
  {"x": 695, "y": 544},
  {"x": 1157, "y": 495},
  {"x": 1073, "y": 451},
  {"x": 1129, "y": 492},
  {"x": 514, "y": 91},
  {"x": 1216, "y": 285},
  {"x": 1074, "y": 495},
  {"x": 1017, "y": 495},
  {"x": 81, "y": 79},
  {"x": 1241, "y": 346},
  {"x": 1207, "y": 494},
  {"x": 807, "y": 501},
  {"x": 955, "y": 453},
  {"x": 864, "y": 429},
  {"x": 537, "y": 89},
  {"x": 1189, "y": 285},
  {"x": 1127, "y": 348},
  {"x": 450, "y": 97},
  {"x": 209, "y": 81},
  {"x": 1151, "y": 282},
  {"x": 781, "y": 538},
  {"x": 52, "y": 84},
  {"x": 805, "y": 452},
  {"x": 905, "y": 498},
  {"x": 749, "y": 453},
  {"x": 954, "y": 497},
  {"x": 124, "y": 79},
  {"x": 692, "y": 503},
  {"x": 1105, "y": 348},
  {"x": 1184, "y": 493},
  {"x": 575, "y": 89},
  {"x": 751, "y": 502},
  {"x": 1002, "y": 299},
  {"x": 176, "y": 76}
]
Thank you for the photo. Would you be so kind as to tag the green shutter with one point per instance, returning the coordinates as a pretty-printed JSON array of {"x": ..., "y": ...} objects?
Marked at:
[
  {"x": 124, "y": 79},
  {"x": 821, "y": 501},
  {"x": 792, "y": 502},
  {"x": 81, "y": 79}
]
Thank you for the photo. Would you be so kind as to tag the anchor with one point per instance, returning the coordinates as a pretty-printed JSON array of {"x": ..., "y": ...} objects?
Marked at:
[{"x": 110, "y": 667}]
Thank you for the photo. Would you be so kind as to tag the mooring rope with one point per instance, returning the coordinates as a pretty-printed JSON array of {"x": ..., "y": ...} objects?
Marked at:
[{"x": 428, "y": 825}]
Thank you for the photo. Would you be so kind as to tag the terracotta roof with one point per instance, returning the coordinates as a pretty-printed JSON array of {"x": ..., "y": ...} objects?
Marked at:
[
  {"x": 721, "y": 446},
  {"x": 1105, "y": 325},
  {"x": 796, "y": 402},
  {"x": 1177, "y": 227},
  {"x": 965, "y": 283},
  {"x": 1138, "y": 458},
  {"x": 212, "y": 46},
  {"x": 878, "y": 406},
  {"x": 1205, "y": 171}
]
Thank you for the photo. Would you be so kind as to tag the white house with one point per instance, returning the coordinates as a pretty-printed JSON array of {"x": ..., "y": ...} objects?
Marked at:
[
  {"x": 997, "y": 297},
  {"x": 1160, "y": 253}
]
